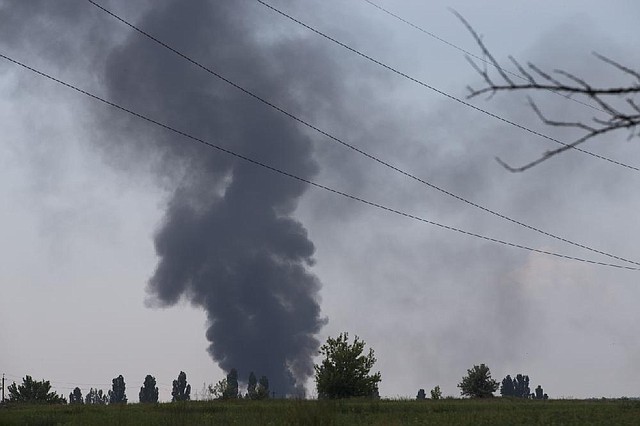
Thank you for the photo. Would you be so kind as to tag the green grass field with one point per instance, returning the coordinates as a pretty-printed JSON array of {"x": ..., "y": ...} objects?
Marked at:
[{"x": 348, "y": 412}]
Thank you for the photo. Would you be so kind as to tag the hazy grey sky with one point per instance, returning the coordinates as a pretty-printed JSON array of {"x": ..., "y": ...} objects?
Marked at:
[{"x": 86, "y": 190}]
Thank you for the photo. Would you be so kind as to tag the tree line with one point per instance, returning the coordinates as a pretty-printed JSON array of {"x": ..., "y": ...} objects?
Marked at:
[
  {"x": 479, "y": 384},
  {"x": 343, "y": 372},
  {"x": 228, "y": 388},
  {"x": 39, "y": 391}
]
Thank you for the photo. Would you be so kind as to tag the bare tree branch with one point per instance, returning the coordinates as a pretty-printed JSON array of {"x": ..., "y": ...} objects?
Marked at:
[
  {"x": 615, "y": 117},
  {"x": 603, "y": 58},
  {"x": 485, "y": 51},
  {"x": 549, "y": 122},
  {"x": 633, "y": 105}
]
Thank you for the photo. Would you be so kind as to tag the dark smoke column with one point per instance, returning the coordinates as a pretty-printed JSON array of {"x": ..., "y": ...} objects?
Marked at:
[{"x": 228, "y": 242}]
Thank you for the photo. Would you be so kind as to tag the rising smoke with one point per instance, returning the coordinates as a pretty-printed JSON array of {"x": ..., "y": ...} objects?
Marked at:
[{"x": 228, "y": 242}]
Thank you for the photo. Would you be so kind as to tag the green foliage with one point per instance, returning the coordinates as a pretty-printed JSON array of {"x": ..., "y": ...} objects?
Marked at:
[
  {"x": 344, "y": 371},
  {"x": 75, "y": 397},
  {"x": 181, "y": 390},
  {"x": 34, "y": 392},
  {"x": 228, "y": 388},
  {"x": 219, "y": 390},
  {"x": 232, "y": 391},
  {"x": 478, "y": 383},
  {"x": 436, "y": 393},
  {"x": 117, "y": 394},
  {"x": 96, "y": 397},
  {"x": 149, "y": 391},
  {"x": 262, "y": 391}
]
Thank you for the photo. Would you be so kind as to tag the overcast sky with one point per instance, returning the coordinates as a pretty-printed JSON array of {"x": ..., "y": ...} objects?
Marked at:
[{"x": 102, "y": 215}]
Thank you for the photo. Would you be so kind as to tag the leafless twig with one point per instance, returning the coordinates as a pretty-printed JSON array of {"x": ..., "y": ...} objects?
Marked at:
[{"x": 566, "y": 84}]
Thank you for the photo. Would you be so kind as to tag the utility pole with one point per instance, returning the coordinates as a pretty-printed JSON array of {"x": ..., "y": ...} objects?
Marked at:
[{"x": 3, "y": 388}]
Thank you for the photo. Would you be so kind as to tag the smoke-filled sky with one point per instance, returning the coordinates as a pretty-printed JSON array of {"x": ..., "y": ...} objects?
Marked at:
[{"x": 128, "y": 249}]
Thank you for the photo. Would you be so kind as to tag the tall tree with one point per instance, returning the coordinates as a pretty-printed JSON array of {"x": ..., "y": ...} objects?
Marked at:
[
  {"x": 540, "y": 393},
  {"x": 219, "y": 390},
  {"x": 478, "y": 383},
  {"x": 344, "y": 371},
  {"x": 521, "y": 386},
  {"x": 117, "y": 394},
  {"x": 436, "y": 393},
  {"x": 181, "y": 390},
  {"x": 517, "y": 387},
  {"x": 262, "y": 390},
  {"x": 251, "y": 386},
  {"x": 34, "y": 391},
  {"x": 96, "y": 397},
  {"x": 149, "y": 390},
  {"x": 231, "y": 391},
  {"x": 75, "y": 397},
  {"x": 227, "y": 388},
  {"x": 507, "y": 388}
]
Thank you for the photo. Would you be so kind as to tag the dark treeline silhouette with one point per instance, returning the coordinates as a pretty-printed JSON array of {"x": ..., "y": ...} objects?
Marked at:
[
  {"x": 117, "y": 394},
  {"x": 343, "y": 372},
  {"x": 181, "y": 390},
  {"x": 540, "y": 394},
  {"x": 96, "y": 397},
  {"x": 517, "y": 387},
  {"x": 228, "y": 388},
  {"x": 75, "y": 397},
  {"x": 33, "y": 392},
  {"x": 149, "y": 391},
  {"x": 436, "y": 393}
]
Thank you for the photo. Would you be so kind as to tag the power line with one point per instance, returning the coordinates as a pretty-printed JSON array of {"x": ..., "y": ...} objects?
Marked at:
[
  {"x": 350, "y": 146},
  {"x": 12, "y": 375},
  {"x": 466, "y": 52},
  {"x": 307, "y": 181},
  {"x": 56, "y": 382},
  {"x": 445, "y": 94},
  {"x": 81, "y": 384},
  {"x": 71, "y": 385}
]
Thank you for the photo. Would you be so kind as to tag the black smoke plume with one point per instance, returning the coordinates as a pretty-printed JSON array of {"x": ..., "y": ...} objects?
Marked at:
[{"x": 228, "y": 242}]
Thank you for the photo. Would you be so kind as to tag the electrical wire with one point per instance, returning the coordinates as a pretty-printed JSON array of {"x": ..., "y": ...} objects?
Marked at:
[
  {"x": 307, "y": 181},
  {"x": 445, "y": 94},
  {"x": 466, "y": 52},
  {"x": 352, "y": 147},
  {"x": 70, "y": 386},
  {"x": 56, "y": 382}
]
